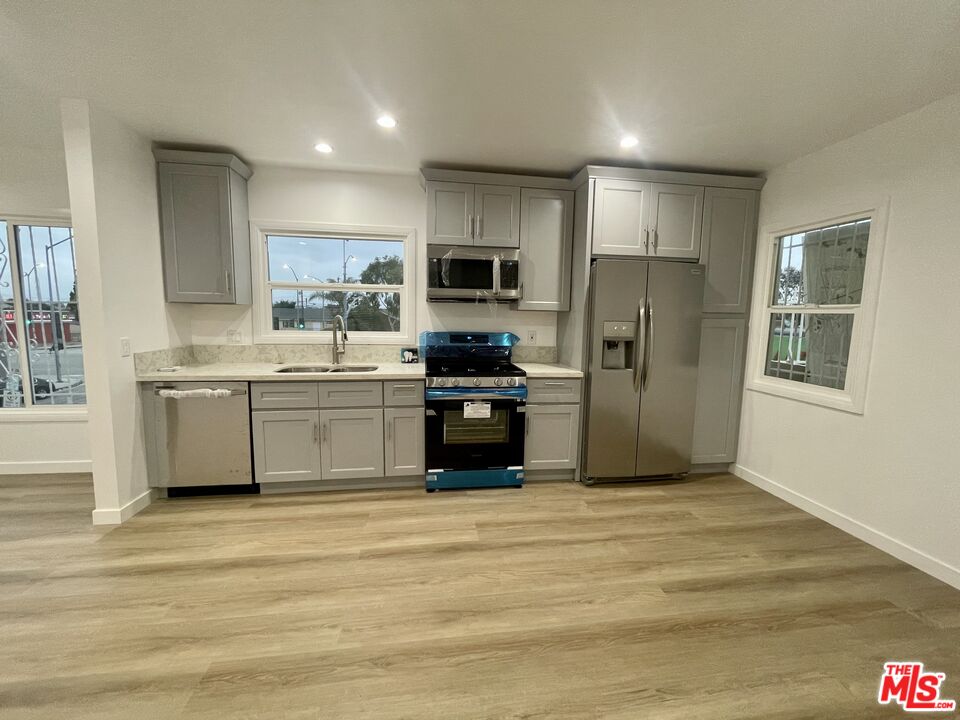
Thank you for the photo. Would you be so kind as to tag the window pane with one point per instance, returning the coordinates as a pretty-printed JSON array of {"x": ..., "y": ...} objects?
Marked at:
[
  {"x": 314, "y": 310},
  {"x": 811, "y": 348},
  {"x": 48, "y": 280},
  {"x": 823, "y": 266},
  {"x": 334, "y": 260},
  {"x": 11, "y": 382}
]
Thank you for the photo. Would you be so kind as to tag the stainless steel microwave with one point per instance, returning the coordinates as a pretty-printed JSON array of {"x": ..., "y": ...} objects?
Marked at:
[{"x": 470, "y": 274}]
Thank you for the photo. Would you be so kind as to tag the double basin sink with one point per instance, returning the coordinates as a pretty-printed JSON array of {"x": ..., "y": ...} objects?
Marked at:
[{"x": 301, "y": 369}]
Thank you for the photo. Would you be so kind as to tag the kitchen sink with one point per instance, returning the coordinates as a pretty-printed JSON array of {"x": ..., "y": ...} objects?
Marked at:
[{"x": 325, "y": 368}]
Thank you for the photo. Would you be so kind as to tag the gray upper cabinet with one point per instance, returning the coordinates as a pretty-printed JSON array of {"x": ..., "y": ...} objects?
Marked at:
[
  {"x": 620, "y": 214},
  {"x": 498, "y": 216},
  {"x": 546, "y": 239},
  {"x": 352, "y": 443},
  {"x": 204, "y": 227},
  {"x": 729, "y": 229},
  {"x": 676, "y": 212},
  {"x": 450, "y": 213}
]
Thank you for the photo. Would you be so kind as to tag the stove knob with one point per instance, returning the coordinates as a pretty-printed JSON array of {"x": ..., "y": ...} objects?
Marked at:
[
  {"x": 511, "y": 382},
  {"x": 477, "y": 381},
  {"x": 454, "y": 382},
  {"x": 441, "y": 382},
  {"x": 498, "y": 381}
]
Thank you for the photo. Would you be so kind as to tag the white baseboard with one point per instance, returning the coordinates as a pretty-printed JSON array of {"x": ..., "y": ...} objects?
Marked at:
[
  {"x": 45, "y": 467},
  {"x": 882, "y": 541},
  {"x": 116, "y": 516}
]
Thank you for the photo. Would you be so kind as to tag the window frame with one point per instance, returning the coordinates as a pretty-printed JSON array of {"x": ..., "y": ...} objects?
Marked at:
[
  {"x": 263, "y": 332},
  {"x": 31, "y": 412},
  {"x": 852, "y": 398}
]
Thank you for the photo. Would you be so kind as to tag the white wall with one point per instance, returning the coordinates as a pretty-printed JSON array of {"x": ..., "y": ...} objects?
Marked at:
[
  {"x": 888, "y": 476},
  {"x": 113, "y": 197},
  {"x": 305, "y": 195}
]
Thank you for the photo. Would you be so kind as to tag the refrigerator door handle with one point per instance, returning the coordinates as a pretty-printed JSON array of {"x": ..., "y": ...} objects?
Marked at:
[
  {"x": 639, "y": 341},
  {"x": 648, "y": 346}
]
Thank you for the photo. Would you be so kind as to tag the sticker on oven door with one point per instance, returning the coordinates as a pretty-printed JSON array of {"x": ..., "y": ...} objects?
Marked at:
[{"x": 476, "y": 410}]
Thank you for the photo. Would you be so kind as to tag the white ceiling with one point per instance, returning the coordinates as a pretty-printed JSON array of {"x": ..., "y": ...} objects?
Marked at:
[{"x": 526, "y": 84}]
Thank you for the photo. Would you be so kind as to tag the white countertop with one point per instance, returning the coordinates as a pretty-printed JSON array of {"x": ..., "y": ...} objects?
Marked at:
[{"x": 254, "y": 372}]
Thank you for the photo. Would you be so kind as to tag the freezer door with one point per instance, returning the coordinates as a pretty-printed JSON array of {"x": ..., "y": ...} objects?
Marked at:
[
  {"x": 669, "y": 379},
  {"x": 618, "y": 295}
]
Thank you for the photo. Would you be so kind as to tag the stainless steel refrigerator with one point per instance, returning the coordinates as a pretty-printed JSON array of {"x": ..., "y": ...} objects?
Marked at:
[{"x": 644, "y": 352}]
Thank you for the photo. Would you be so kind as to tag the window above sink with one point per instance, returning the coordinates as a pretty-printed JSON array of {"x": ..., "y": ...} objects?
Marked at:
[{"x": 307, "y": 274}]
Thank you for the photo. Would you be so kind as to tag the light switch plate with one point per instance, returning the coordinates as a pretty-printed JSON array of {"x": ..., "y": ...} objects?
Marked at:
[{"x": 124, "y": 347}]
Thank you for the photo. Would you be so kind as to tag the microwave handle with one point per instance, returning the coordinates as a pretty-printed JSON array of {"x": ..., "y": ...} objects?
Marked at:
[{"x": 496, "y": 274}]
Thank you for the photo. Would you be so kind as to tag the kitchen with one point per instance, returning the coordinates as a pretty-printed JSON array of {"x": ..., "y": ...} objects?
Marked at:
[{"x": 453, "y": 397}]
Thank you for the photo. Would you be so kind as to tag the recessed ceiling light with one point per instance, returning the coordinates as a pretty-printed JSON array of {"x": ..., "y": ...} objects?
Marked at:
[
  {"x": 323, "y": 148},
  {"x": 628, "y": 141},
  {"x": 386, "y": 121}
]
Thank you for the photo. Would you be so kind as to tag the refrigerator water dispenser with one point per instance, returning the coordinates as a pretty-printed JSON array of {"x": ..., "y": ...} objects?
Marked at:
[{"x": 618, "y": 339}]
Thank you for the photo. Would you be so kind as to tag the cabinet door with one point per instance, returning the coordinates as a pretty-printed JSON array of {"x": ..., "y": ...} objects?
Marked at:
[
  {"x": 676, "y": 213},
  {"x": 729, "y": 233},
  {"x": 403, "y": 440},
  {"x": 498, "y": 216},
  {"x": 546, "y": 241},
  {"x": 450, "y": 213},
  {"x": 352, "y": 443},
  {"x": 196, "y": 229},
  {"x": 286, "y": 445},
  {"x": 719, "y": 390},
  {"x": 553, "y": 437},
  {"x": 620, "y": 215}
]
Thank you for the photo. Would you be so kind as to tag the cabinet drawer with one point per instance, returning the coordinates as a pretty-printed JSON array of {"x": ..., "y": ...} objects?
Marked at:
[
  {"x": 350, "y": 394},
  {"x": 283, "y": 395},
  {"x": 553, "y": 390},
  {"x": 403, "y": 392}
]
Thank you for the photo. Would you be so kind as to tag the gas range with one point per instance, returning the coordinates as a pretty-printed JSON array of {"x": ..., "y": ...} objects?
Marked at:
[{"x": 475, "y": 400}]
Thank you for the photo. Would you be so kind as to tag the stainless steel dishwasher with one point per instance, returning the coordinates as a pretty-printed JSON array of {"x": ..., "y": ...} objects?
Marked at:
[{"x": 197, "y": 434}]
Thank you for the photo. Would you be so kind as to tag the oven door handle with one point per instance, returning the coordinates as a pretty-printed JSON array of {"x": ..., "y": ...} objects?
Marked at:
[{"x": 518, "y": 394}]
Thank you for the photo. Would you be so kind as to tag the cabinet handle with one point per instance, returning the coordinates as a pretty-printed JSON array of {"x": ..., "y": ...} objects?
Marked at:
[
  {"x": 646, "y": 238},
  {"x": 323, "y": 433},
  {"x": 316, "y": 433},
  {"x": 389, "y": 430},
  {"x": 408, "y": 385},
  {"x": 554, "y": 383},
  {"x": 654, "y": 239},
  {"x": 480, "y": 227},
  {"x": 226, "y": 279},
  {"x": 470, "y": 223}
]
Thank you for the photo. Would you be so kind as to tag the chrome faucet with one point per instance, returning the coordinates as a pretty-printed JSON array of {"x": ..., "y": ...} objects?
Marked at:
[{"x": 339, "y": 348}]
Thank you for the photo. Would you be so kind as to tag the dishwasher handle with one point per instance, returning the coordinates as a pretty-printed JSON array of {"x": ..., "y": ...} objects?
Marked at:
[{"x": 205, "y": 393}]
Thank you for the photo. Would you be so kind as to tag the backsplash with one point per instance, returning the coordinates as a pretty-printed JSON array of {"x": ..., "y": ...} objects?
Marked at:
[{"x": 355, "y": 353}]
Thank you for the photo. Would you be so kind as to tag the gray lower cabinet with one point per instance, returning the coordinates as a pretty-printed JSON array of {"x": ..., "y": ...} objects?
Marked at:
[
  {"x": 719, "y": 390},
  {"x": 352, "y": 443},
  {"x": 403, "y": 440},
  {"x": 286, "y": 445},
  {"x": 204, "y": 225},
  {"x": 553, "y": 437}
]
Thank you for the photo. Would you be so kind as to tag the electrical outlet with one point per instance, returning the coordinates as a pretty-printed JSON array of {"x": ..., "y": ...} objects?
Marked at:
[
  {"x": 124, "y": 347},
  {"x": 531, "y": 337},
  {"x": 234, "y": 337}
]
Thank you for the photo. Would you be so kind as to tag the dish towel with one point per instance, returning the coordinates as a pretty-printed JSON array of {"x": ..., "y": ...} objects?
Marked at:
[{"x": 198, "y": 393}]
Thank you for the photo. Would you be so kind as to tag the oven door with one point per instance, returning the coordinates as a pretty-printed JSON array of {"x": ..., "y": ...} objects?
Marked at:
[{"x": 474, "y": 429}]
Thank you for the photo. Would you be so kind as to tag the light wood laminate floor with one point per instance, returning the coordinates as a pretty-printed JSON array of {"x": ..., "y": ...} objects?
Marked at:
[{"x": 698, "y": 599}]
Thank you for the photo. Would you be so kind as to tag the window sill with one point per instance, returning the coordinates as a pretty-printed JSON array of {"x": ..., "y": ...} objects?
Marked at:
[
  {"x": 325, "y": 338},
  {"x": 812, "y": 395},
  {"x": 42, "y": 415}
]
